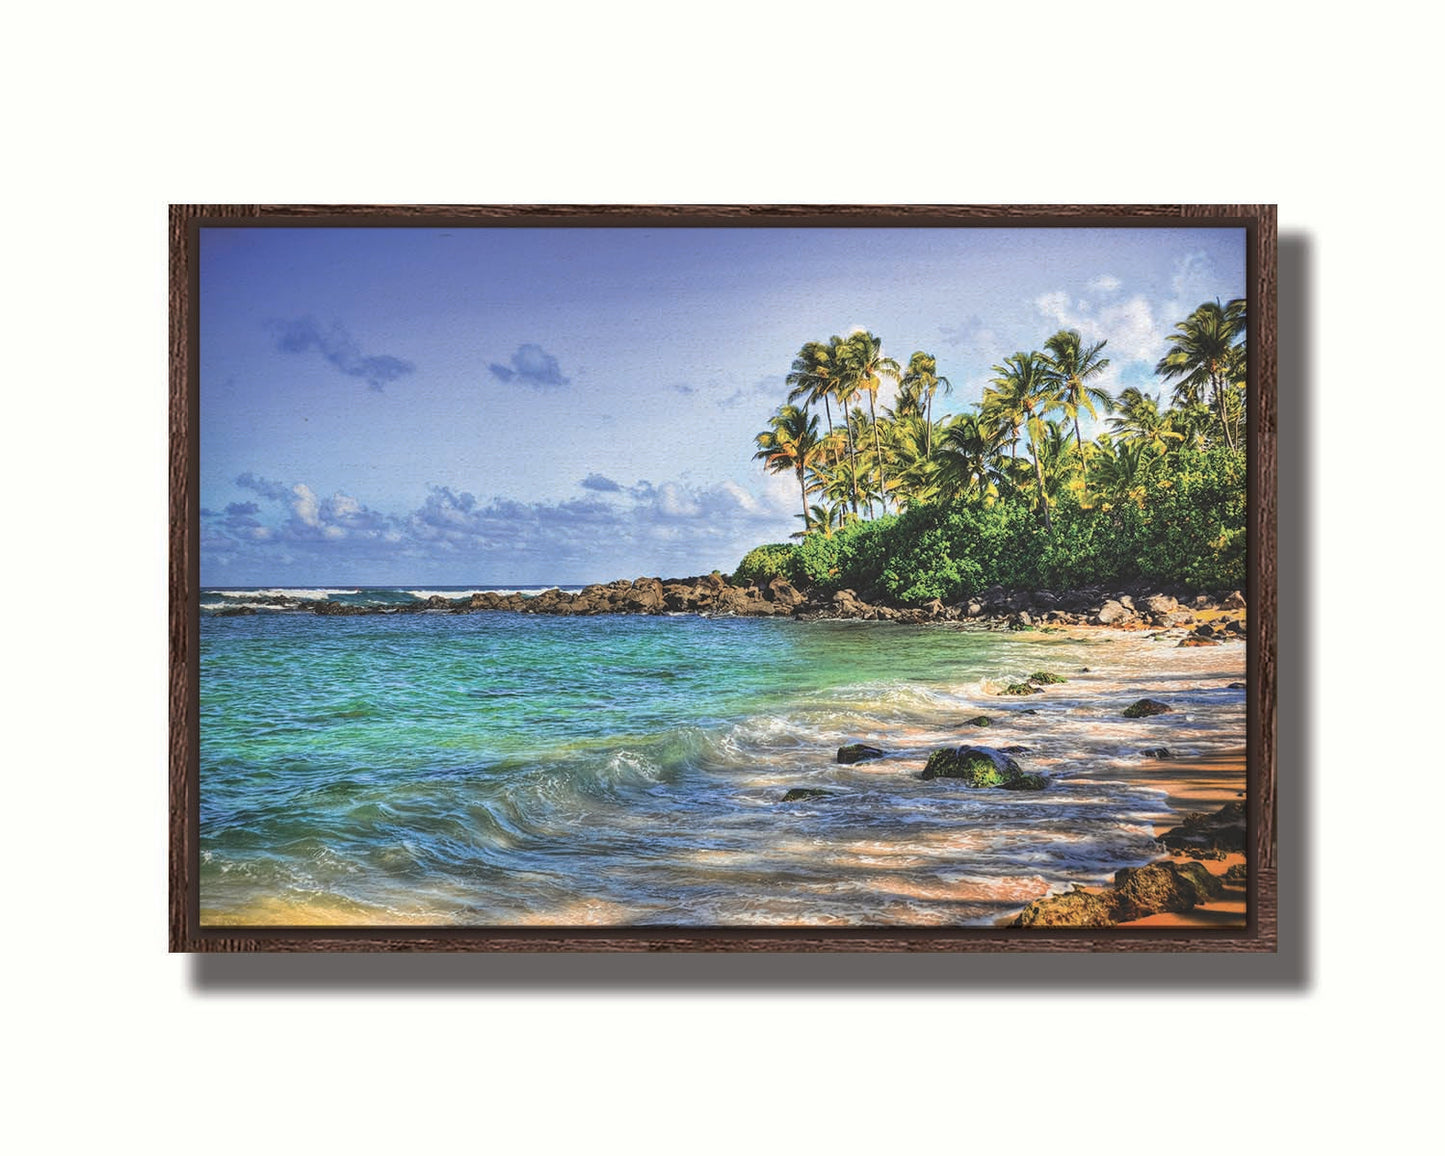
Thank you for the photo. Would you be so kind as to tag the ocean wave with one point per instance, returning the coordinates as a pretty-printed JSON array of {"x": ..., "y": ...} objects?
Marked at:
[{"x": 300, "y": 593}]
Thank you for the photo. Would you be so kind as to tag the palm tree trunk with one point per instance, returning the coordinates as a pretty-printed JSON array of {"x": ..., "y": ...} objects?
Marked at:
[
  {"x": 804, "y": 490},
  {"x": 853, "y": 461},
  {"x": 928, "y": 433},
  {"x": 878, "y": 454},
  {"x": 1043, "y": 497},
  {"x": 1223, "y": 409}
]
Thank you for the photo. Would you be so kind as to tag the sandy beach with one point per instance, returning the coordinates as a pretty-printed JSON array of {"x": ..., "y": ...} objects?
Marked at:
[{"x": 1205, "y": 784}]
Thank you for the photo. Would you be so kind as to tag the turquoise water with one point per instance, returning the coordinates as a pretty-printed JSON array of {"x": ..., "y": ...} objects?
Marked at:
[{"x": 499, "y": 768}]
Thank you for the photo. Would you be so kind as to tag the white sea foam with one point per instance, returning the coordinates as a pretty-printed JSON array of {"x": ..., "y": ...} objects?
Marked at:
[{"x": 300, "y": 593}]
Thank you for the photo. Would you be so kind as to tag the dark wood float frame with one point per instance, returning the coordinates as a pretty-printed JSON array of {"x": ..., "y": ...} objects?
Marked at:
[{"x": 186, "y": 934}]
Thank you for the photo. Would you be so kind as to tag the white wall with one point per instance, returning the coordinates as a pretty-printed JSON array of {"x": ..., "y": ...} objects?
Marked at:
[{"x": 118, "y": 111}]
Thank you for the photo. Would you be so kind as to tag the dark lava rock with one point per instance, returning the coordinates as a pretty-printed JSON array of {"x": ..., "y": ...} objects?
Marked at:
[
  {"x": 981, "y": 767},
  {"x": 1234, "y": 602},
  {"x": 1029, "y": 710},
  {"x": 1237, "y": 686},
  {"x": 1077, "y": 908},
  {"x": 1156, "y": 753},
  {"x": 1192, "y": 641},
  {"x": 1146, "y": 707},
  {"x": 1237, "y": 875},
  {"x": 1046, "y": 678},
  {"x": 1222, "y": 831},
  {"x": 981, "y": 720},
  {"x": 799, "y": 793},
  {"x": 329, "y": 608},
  {"x": 235, "y": 612},
  {"x": 1016, "y": 750},
  {"x": 857, "y": 753}
]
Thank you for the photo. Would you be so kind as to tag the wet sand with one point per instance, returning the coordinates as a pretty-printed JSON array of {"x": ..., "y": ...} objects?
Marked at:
[{"x": 1205, "y": 783}]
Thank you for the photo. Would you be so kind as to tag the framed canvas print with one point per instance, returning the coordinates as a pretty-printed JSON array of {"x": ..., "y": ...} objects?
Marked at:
[{"x": 749, "y": 578}]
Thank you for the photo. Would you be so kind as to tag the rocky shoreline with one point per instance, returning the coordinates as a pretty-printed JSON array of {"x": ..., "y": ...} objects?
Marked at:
[{"x": 1214, "y": 615}]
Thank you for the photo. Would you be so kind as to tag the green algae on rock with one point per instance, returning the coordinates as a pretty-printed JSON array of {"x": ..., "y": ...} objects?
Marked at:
[
  {"x": 1146, "y": 707},
  {"x": 981, "y": 767}
]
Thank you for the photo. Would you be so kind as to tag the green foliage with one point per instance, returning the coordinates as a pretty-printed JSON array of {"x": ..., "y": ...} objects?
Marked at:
[
  {"x": 764, "y": 563},
  {"x": 1189, "y": 529}
]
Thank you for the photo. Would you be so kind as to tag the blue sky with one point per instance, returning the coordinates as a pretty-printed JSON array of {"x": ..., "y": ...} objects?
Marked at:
[{"x": 494, "y": 406}]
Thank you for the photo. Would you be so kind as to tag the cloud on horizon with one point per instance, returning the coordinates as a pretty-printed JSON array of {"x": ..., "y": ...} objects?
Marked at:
[
  {"x": 533, "y": 367},
  {"x": 340, "y": 350},
  {"x": 669, "y": 528}
]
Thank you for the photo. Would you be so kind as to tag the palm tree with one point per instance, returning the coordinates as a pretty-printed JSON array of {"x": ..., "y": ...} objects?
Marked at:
[
  {"x": 1120, "y": 470},
  {"x": 919, "y": 383},
  {"x": 906, "y": 440},
  {"x": 1140, "y": 422},
  {"x": 791, "y": 443},
  {"x": 865, "y": 367},
  {"x": 1072, "y": 363},
  {"x": 1060, "y": 459},
  {"x": 812, "y": 376},
  {"x": 842, "y": 483},
  {"x": 966, "y": 451},
  {"x": 1022, "y": 394},
  {"x": 1202, "y": 356},
  {"x": 845, "y": 388},
  {"x": 828, "y": 516}
]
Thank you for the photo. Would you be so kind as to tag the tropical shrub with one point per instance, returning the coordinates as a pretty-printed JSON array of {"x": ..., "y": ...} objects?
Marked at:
[{"x": 762, "y": 564}]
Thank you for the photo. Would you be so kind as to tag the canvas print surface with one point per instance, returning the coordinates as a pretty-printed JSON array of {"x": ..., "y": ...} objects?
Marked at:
[{"x": 722, "y": 577}]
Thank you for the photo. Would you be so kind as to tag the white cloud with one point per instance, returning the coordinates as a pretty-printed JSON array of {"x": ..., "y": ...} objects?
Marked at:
[
  {"x": 1130, "y": 327},
  {"x": 306, "y": 507},
  {"x": 1106, "y": 283}
]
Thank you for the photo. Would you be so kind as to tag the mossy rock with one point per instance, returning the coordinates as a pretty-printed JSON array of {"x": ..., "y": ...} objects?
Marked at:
[
  {"x": 981, "y": 720},
  {"x": 1146, "y": 707},
  {"x": 858, "y": 752},
  {"x": 799, "y": 793},
  {"x": 1237, "y": 875},
  {"x": 1193, "y": 641},
  {"x": 1021, "y": 688},
  {"x": 981, "y": 767},
  {"x": 1046, "y": 678},
  {"x": 1076, "y": 908}
]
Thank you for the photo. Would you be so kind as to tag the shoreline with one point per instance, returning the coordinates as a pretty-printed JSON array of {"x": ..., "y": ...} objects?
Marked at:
[
  {"x": 1203, "y": 783},
  {"x": 1196, "y": 784},
  {"x": 1214, "y": 615}
]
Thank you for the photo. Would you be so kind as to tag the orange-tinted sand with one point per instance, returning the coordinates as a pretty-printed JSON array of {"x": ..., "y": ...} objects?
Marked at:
[{"x": 1196, "y": 784}]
